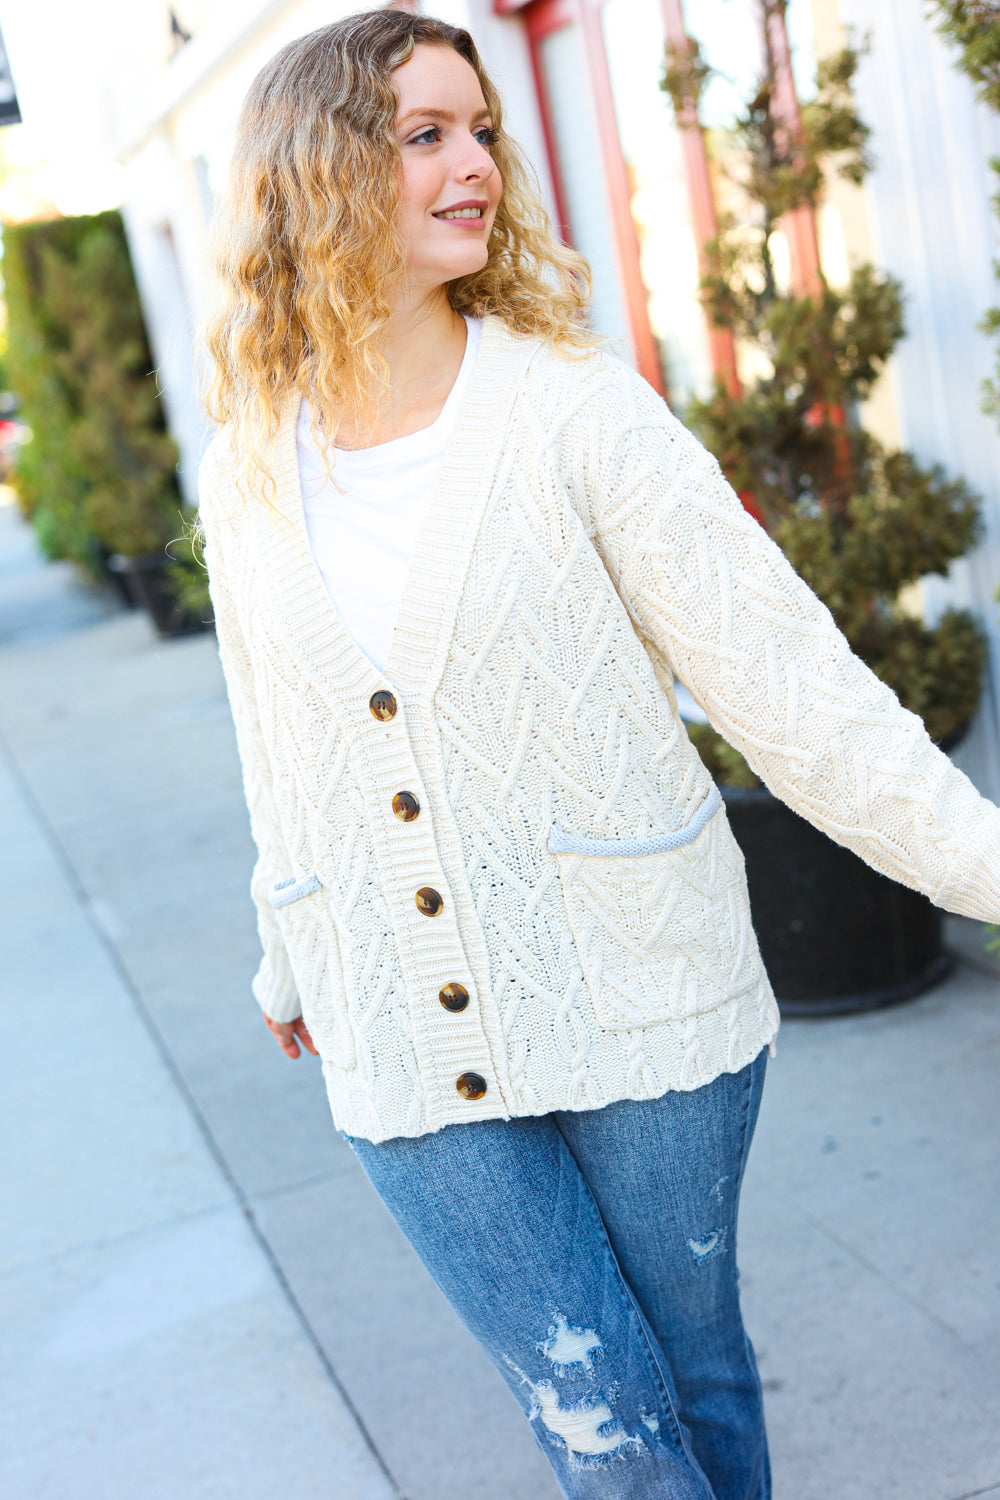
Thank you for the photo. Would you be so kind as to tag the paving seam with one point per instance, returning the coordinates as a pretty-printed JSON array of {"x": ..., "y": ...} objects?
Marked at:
[
  {"x": 180, "y": 1083},
  {"x": 267, "y": 1195},
  {"x": 105, "y": 1242}
]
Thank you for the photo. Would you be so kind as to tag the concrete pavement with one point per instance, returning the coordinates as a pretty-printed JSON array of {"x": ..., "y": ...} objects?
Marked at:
[{"x": 200, "y": 1296}]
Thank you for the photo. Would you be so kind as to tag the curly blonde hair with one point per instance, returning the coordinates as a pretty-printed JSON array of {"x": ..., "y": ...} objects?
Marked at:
[{"x": 308, "y": 250}]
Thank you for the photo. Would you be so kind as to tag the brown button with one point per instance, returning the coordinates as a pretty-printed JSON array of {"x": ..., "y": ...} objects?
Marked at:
[
  {"x": 429, "y": 901},
  {"x": 405, "y": 806},
  {"x": 454, "y": 997},
  {"x": 382, "y": 704},
  {"x": 471, "y": 1085}
]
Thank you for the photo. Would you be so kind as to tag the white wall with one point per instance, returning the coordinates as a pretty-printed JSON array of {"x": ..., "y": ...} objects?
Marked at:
[
  {"x": 175, "y": 127},
  {"x": 929, "y": 204}
]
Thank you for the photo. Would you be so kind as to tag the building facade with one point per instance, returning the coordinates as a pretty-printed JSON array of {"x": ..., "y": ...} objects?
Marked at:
[{"x": 634, "y": 193}]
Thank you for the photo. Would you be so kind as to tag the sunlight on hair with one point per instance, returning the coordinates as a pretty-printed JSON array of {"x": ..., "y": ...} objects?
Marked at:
[{"x": 307, "y": 249}]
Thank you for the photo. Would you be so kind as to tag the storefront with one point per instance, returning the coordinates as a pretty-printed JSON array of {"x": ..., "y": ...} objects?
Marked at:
[
  {"x": 636, "y": 191},
  {"x": 640, "y": 194}
]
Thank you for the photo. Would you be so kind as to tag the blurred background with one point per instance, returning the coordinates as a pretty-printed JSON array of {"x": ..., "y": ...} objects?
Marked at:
[
  {"x": 790, "y": 212},
  {"x": 129, "y": 105}
]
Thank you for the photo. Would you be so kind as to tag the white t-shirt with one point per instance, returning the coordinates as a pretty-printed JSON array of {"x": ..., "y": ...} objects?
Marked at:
[{"x": 363, "y": 526}]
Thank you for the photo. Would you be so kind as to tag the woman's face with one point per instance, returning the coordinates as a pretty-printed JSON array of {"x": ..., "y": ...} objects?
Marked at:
[{"x": 450, "y": 184}]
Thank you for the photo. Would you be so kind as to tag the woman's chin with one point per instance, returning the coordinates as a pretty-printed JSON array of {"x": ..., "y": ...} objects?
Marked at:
[{"x": 457, "y": 266}]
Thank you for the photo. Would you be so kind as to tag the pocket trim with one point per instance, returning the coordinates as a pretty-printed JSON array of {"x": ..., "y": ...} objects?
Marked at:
[
  {"x": 287, "y": 891},
  {"x": 561, "y": 842}
]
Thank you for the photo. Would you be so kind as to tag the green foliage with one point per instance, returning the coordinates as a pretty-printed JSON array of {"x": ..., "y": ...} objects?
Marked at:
[
  {"x": 859, "y": 523},
  {"x": 100, "y": 470},
  {"x": 783, "y": 169},
  {"x": 863, "y": 546},
  {"x": 973, "y": 28},
  {"x": 188, "y": 575},
  {"x": 832, "y": 131},
  {"x": 724, "y": 764},
  {"x": 684, "y": 76}
]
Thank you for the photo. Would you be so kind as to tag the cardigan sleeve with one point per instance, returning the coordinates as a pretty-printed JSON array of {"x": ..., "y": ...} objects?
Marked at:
[
  {"x": 273, "y": 985},
  {"x": 708, "y": 589}
]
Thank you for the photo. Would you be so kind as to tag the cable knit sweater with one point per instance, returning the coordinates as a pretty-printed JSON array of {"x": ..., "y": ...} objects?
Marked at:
[{"x": 577, "y": 877}]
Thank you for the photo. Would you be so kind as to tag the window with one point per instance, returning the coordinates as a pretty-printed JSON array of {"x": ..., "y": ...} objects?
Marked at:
[
  {"x": 635, "y": 191},
  {"x": 659, "y": 200},
  {"x": 574, "y": 130}
]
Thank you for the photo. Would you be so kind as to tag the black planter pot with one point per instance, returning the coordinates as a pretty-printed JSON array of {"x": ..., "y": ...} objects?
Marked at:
[
  {"x": 100, "y": 559},
  {"x": 151, "y": 588},
  {"x": 835, "y": 935}
]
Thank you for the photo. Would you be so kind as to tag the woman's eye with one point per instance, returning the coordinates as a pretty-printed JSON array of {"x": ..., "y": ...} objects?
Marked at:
[{"x": 485, "y": 135}]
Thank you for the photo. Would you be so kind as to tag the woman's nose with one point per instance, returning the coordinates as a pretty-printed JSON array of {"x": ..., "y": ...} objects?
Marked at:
[{"x": 476, "y": 165}]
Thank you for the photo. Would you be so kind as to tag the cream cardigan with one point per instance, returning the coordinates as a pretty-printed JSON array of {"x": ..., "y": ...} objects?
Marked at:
[{"x": 581, "y": 548}]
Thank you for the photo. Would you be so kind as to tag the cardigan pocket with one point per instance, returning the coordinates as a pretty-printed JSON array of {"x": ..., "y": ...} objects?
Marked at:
[
  {"x": 658, "y": 923},
  {"x": 318, "y": 950},
  {"x": 285, "y": 892},
  {"x": 561, "y": 842}
]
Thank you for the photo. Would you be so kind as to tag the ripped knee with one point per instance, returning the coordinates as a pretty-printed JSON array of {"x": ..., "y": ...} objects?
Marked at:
[{"x": 587, "y": 1427}]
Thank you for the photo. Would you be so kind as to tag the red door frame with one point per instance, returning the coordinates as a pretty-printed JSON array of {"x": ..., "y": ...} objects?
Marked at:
[
  {"x": 800, "y": 223},
  {"x": 541, "y": 18},
  {"x": 619, "y": 198}
]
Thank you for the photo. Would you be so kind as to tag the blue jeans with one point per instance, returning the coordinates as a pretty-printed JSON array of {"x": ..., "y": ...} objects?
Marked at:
[{"x": 593, "y": 1255}]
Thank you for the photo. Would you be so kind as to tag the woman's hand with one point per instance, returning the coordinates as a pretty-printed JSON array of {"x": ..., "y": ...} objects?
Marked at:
[{"x": 285, "y": 1034}]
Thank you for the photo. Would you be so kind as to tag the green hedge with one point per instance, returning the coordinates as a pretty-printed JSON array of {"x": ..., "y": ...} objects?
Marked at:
[{"x": 100, "y": 471}]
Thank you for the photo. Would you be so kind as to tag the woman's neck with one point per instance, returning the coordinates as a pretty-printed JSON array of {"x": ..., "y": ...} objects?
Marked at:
[{"x": 424, "y": 344}]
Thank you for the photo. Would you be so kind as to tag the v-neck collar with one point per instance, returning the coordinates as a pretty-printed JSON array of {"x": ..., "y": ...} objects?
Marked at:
[
  {"x": 441, "y": 556},
  {"x": 399, "y": 450}
]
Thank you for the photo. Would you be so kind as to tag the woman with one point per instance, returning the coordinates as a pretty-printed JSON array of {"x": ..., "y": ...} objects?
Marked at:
[{"x": 458, "y": 553}]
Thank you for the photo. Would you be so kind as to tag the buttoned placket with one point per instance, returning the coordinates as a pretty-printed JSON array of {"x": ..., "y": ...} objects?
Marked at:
[
  {"x": 456, "y": 1035},
  {"x": 447, "y": 988}
]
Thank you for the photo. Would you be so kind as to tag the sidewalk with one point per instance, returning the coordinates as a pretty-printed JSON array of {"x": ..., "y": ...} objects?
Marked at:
[{"x": 200, "y": 1296}]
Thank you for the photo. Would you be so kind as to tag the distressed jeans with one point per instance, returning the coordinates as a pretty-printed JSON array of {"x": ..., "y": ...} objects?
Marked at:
[{"x": 593, "y": 1255}]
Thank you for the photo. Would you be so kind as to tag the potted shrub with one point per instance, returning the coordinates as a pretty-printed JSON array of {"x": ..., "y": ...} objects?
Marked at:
[
  {"x": 98, "y": 480},
  {"x": 859, "y": 523},
  {"x": 972, "y": 27}
]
